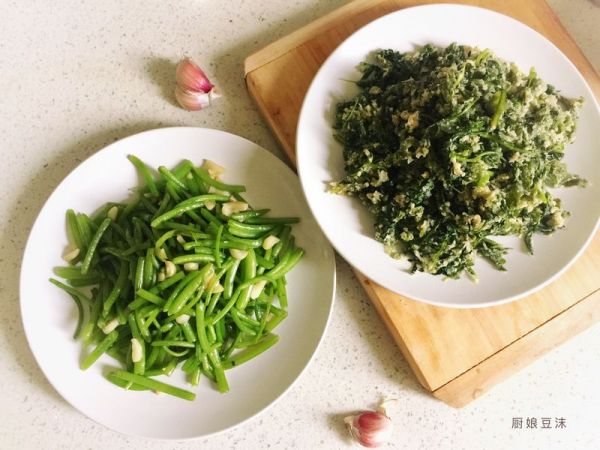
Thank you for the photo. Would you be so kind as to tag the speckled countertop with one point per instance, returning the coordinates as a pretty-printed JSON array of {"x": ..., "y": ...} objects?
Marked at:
[{"x": 76, "y": 76}]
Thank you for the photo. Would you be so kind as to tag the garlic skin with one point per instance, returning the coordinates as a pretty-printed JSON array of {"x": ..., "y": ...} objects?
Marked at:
[
  {"x": 193, "y": 100},
  {"x": 190, "y": 77},
  {"x": 370, "y": 428}
]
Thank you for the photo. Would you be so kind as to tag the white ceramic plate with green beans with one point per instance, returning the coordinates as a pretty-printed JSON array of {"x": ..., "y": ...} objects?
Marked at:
[{"x": 192, "y": 297}]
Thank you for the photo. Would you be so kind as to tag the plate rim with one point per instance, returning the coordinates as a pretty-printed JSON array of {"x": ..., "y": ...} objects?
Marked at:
[
  {"x": 299, "y": 155},
  {"x": 27, "y": 254}
]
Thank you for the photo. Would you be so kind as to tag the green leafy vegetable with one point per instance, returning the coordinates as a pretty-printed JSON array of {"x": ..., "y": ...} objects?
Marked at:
[{"x": 448, "y": 147}]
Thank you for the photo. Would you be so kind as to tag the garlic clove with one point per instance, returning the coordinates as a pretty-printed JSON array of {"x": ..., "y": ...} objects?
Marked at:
[
  {"x": 191, "y": 77},
  {"x": 194, "y": 91},
  {"x": 370, "y": 428}
]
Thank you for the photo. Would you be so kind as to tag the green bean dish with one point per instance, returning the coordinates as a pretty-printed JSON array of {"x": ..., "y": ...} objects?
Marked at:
[
  {"x": 449, "y": 147},
  {"x": 187, "y": 274}
]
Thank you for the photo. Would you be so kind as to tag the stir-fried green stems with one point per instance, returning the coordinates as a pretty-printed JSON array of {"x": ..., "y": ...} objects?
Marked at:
[{"x": 180, "y": 275}]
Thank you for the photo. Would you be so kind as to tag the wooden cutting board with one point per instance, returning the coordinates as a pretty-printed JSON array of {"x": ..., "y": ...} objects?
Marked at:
[{"x": 456, "y": 354}]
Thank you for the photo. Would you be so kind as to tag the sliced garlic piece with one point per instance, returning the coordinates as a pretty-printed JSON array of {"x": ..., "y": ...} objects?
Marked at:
[
  {"x": 210, "y": 279},
  {"x": 190, "y": 266},
  {"x": 238, "y": 254},
  {"x": 162, "y": 254},
  {"x": 137, "y": 353},
  {"x": 230, "y": 208},
  {"x": 110, "y": 326},
  {"x": 182, "y": 318},
  {"x": 217, "y": 288},
  {"x": 257, "y": 288},
  {"x": 213, "y": 169},
  {"x": 170, "y": 269},
  {"x": 113, "y": 213},
  {"x": 270, "y": 242},
  {"x": 70, "y": 254},
  {"x": 214, "y": 190}
]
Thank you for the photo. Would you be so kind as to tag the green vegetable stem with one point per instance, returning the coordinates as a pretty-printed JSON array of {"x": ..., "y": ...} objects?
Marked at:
[{"x": 179, "y": 275}]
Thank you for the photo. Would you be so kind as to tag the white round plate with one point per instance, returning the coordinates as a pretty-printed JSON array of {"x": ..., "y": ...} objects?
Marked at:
[
  {"x": 346, "y": 222},
  {"x": 49, "y": 315}
]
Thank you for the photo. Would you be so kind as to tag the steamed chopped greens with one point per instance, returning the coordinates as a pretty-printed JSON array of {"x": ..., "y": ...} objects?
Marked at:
[{"x": 448, "y": 147}]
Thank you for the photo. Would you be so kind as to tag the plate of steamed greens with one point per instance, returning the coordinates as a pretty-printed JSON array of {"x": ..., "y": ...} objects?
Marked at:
[
  {"x": 450, "y": 153},
  {"x": 175, "y": 283}
]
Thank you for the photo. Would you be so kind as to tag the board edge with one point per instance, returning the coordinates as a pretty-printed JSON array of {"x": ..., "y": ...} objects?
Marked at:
[{"x": 496, "y": 368}]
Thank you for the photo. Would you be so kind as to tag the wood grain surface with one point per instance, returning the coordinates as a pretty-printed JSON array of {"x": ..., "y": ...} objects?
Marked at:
[{"x": 455, "y": 353}]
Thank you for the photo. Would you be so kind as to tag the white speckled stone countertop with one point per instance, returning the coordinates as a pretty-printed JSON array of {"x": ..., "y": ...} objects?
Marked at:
[{"x": 76, "y": 76}]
